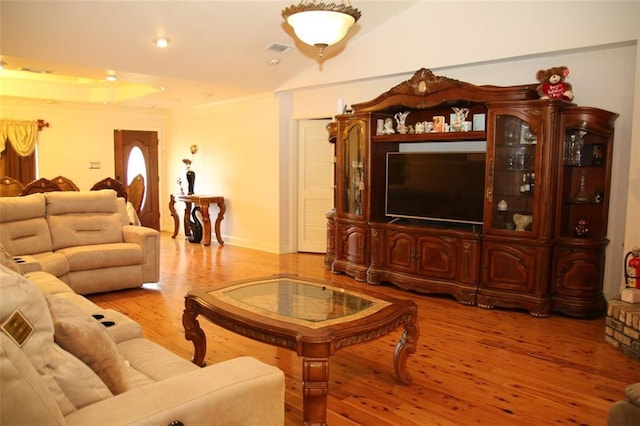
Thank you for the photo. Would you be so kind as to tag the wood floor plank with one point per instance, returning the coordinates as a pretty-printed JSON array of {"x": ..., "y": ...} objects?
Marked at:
[{"x": 472, "y": 365}]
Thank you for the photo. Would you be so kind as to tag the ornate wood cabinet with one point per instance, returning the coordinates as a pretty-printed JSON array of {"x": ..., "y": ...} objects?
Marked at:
[{"x": 540, "y": 243}]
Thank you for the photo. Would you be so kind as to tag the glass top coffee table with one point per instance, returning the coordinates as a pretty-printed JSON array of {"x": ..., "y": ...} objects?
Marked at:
[{"x": 310, "y": 317}]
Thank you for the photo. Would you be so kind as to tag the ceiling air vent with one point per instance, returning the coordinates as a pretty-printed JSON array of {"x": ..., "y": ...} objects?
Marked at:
[
  {"x": 35, "y": 71},
  {"x": 279, "y": 48}
]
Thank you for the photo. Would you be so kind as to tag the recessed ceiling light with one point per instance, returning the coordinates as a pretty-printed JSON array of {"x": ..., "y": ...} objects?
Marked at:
[
  {"x": 161, "y": 42},
  {"x": 111, "y": 77}
]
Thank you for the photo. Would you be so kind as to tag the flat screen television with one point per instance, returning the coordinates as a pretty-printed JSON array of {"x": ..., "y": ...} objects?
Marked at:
[{"x": 436, "y": 186}]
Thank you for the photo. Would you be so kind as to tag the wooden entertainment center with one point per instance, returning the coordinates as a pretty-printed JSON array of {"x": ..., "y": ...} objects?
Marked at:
[{"x": 540, "y": 245}]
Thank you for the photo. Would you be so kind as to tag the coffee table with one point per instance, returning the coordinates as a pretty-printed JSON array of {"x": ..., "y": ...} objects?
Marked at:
[{"x": 310, "y": 317}]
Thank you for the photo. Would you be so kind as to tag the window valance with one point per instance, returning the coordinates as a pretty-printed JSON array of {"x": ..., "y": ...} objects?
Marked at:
[{"x": 22, "y": 134}]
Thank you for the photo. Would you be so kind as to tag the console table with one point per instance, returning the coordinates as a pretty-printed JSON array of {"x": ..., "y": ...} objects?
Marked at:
[{"x": 203, "y": 202}]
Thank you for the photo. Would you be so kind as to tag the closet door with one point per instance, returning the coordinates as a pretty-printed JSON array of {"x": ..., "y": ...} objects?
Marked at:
[{"x": 315, "y": 184}]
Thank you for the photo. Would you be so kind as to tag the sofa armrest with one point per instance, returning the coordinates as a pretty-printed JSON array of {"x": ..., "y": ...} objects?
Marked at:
[
  {"x": 240, "y": 391},
  {"x": 149, "y": 240}
]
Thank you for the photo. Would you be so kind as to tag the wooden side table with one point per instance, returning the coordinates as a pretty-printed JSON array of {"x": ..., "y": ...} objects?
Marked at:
[{"x": 202, "y": 201}]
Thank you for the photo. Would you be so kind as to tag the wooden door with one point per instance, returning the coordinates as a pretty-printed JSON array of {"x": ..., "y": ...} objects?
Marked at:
[{"x": 136, "y": 151}]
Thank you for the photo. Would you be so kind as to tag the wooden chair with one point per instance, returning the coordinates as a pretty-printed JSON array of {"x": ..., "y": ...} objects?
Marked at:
[
  {"x": 10, "y": 187},
  {"x": 65, "y": 184},
  {"x": 136, "y": 192},
  {"x": 111, "y": 183},
  {"x": 39, "y": 185}
]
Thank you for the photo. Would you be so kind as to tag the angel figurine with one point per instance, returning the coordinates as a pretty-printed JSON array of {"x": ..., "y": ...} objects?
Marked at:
[
  {"x": 461, "y": 117},
  {"x": 401, "y": 118}
]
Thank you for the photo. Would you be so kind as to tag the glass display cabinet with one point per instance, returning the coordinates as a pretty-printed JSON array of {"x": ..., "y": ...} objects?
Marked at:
[
  {"x": 584, "y": 176},
  {"x": 543, "y": 198},
  {"x": 512, "y": 177},
  {"x": 353, "y": 181}
]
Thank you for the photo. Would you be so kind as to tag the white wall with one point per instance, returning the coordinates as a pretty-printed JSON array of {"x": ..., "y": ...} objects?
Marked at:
[{"x": 239, "y": 158}]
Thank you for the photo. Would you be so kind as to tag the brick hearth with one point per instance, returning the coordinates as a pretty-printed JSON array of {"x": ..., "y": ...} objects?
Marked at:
[{"x": 622, "y": 329}]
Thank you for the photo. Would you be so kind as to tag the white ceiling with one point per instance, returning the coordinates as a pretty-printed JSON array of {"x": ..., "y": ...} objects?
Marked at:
[{"x": 218, "y": 49}]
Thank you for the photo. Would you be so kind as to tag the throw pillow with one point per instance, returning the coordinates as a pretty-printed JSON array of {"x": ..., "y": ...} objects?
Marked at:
[
  {"x": 69, "y": 382},
  {"x": 89, "y": 341}
]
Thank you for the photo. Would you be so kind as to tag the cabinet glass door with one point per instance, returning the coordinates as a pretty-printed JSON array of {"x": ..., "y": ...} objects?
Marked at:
[
  {"x": 512, "y": 176},
  {"x": 353, "y": 169},
  {"x": 584, "y": 183}
]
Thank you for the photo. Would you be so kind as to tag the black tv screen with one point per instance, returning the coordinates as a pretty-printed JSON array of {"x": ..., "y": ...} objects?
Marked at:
[{"x": 438, "y": 186}]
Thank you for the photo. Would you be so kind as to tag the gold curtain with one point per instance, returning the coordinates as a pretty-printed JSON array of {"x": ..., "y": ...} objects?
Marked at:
[{"x": 22, "y": 134}]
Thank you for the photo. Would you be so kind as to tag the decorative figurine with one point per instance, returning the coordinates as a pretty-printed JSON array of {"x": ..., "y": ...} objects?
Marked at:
[
  {"x": 388, "y": 127},
  {"x": 401, "y": 118},
  {"x": 582, "y": 228},
  {"x": 461, "y": 117},
  {"x": 522, "y": 221}
]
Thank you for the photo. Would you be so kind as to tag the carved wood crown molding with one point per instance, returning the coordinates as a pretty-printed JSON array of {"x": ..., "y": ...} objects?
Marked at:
[
  {"x": 425, "y": 89},
  {"x": 425, "y": 82}
]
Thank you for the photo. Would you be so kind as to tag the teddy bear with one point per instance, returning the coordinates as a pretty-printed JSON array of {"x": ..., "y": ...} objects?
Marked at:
[{"x": 553, "y": 85}]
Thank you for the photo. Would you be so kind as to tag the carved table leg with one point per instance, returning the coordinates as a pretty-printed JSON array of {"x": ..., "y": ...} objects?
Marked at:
[
  {"x": 315, "y": 387},
  {"x": 193, "y": 332},
  {"x": 406, "y": 346},
  {"x": 222, "y": 208},
  {"x": 206, "y": 221},
  {"x": 176, "y": 220}
]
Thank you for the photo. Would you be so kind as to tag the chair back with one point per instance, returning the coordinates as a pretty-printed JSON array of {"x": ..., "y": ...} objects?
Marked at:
[
  {"x": 136, "y": 192},
  {"x": 39, "y": 185},
  {"x": 111, "y": 183},
  {"x": 65, "y": 184},
  {"x": 10, "y": 187}
]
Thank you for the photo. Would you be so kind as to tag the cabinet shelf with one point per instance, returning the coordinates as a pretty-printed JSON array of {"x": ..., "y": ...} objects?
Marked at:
[{"x": 431, "y": 137}]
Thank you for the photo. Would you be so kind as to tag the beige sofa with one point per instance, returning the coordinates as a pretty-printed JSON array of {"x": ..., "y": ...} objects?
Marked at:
[
  {"x": 83, "y": 238},
  {"x": 66, "y": 361},
  {"x": 626, "y": 412}
]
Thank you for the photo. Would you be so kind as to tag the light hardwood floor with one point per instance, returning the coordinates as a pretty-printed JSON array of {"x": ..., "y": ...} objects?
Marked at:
[{"x": 472, "y": 365}]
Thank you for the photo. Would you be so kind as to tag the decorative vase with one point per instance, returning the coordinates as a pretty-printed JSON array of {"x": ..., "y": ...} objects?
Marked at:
[{"x": 191, "y": 180}]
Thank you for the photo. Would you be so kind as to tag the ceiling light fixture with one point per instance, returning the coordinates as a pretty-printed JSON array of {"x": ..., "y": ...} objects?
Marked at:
[
  {"x": 321, "y": 24},
  {"x": 161, "y": 42},
  {"x": 111, "y": 77}
]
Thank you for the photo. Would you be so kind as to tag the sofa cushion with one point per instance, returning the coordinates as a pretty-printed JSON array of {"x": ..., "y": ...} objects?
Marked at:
[
  {"x": 96, "y": 256},
  {"x": 153, "y": 360},
  {"x": 48, "y": 283},
  {"x": 26, "y": 236},
  {"x": 72, "y": 202},
  {"x": 84, "y": 229},
  {"x": 23, "y": 227},
  {"x": 87, "y": 339},
  {"x": 14, "y": 209},
  {"x": 54, "y": 263},
  {"x": 71, "y": 382}
]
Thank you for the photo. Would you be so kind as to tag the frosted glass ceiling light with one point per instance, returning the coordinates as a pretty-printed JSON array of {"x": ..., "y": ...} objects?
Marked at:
[{"x": 321, "y": 24}]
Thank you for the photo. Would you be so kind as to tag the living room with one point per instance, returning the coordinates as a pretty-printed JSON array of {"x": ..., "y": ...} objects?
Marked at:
[{"x": 237, "y": 138}]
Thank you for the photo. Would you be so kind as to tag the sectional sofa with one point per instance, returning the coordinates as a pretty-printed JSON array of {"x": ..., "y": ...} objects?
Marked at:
[
  {"x": 66, "y": 361},
  {"x": 82, "y": 237}
]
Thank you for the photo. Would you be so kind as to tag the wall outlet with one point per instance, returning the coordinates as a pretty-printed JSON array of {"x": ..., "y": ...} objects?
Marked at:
[{"x": 94, "y": 164}]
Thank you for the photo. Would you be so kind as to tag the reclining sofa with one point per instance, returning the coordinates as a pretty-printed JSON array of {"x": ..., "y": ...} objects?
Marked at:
[
  {"x": 66, "y": 361},
  {"x": 83, "y": 238}
]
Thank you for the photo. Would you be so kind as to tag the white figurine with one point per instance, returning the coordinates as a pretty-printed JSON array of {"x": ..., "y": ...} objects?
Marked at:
[
  {"x": 388, "y": 127},
  {"x": 401, "y": 118}
]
